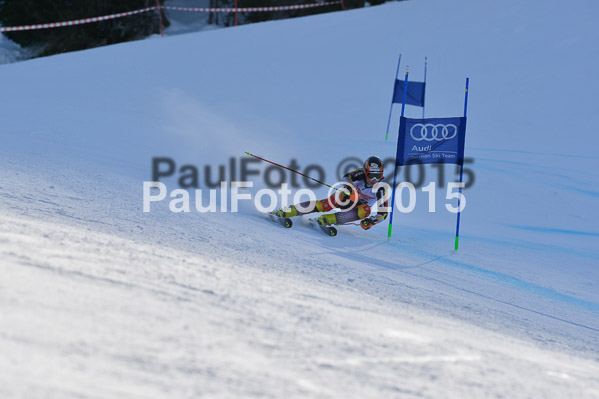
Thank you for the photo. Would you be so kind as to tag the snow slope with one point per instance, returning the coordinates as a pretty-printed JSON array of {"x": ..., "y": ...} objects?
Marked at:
[{"x": 98, "y": 299}]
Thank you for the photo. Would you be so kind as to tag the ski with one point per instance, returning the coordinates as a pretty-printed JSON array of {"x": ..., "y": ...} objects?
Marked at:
[
  {"x": 328, "y": 230},
  {"x": 285, "y": 222}
]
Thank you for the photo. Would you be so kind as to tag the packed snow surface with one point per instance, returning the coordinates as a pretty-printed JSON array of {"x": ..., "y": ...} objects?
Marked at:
[{"x": 101, "y": 300}]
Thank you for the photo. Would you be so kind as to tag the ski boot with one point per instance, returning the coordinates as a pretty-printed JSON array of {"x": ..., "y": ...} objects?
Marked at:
[
  {"x": 282, "y": 216},
  {"x": 286, "y": 212},
  {"x": 327, "y": 220},
  {"x": 326, "y": 224}
]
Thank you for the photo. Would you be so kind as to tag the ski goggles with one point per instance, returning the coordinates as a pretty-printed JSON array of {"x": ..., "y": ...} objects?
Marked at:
[{"x": 376, "y": 176}]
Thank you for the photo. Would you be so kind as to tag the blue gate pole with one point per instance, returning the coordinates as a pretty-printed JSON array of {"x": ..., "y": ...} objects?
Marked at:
[
  {"x": 403, "y": 107},
  {"x": 457, "y": 229},
  {"x": 423, "y": 104},
  {"x": 392, "y": 98}
]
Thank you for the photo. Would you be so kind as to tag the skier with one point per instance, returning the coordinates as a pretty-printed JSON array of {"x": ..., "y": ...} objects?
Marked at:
[{"x": 354, "y": 199}]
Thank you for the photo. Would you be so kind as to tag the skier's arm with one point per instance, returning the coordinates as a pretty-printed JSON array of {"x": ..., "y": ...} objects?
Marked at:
[
  {"x": 380, "y": 216},
  {"x": 353, "y": 176},
  {"x": 380, "y": 194}
]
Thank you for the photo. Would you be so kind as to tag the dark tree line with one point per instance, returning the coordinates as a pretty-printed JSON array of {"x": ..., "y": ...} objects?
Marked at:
[
  {"x": 79, "y": 37},
  {"x": 225, "y": 19}
]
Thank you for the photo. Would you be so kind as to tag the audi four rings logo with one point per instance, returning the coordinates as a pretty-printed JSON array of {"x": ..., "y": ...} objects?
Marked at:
[{"x": 431, "y": 132}]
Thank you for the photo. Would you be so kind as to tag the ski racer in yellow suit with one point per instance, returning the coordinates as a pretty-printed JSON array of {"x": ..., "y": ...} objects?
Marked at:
[{"x": 354, "y": 199}]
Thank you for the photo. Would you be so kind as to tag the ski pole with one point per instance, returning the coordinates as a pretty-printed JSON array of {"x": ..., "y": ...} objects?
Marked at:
[{"x": 294, "y": 171}]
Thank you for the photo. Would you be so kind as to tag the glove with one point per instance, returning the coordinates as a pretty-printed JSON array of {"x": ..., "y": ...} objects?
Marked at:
[
  {"x": 368, "y": 222},
  {"x": 371, "y": 221}
]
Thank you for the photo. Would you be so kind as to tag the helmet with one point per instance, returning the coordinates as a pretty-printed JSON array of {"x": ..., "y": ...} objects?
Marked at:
[{"x": 373, "y": 169}]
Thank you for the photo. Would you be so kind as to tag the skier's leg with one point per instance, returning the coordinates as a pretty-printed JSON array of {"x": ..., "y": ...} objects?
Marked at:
[
  {"x": 358, "y": 213},
  {"x": 307, "y": 207}
]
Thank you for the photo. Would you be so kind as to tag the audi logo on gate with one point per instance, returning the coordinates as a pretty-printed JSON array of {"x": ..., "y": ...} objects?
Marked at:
[{"x": 432, "y": 132}]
